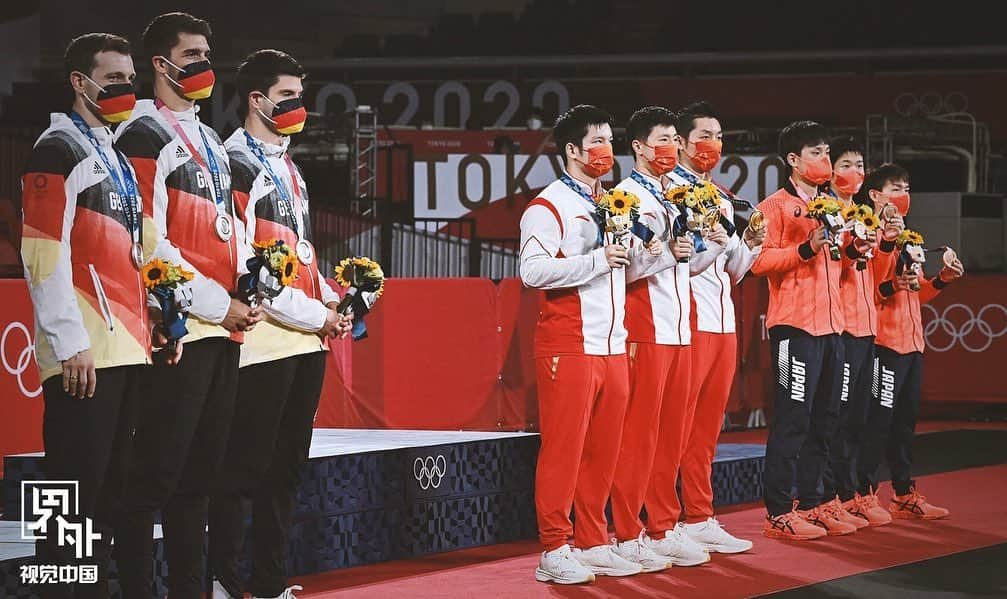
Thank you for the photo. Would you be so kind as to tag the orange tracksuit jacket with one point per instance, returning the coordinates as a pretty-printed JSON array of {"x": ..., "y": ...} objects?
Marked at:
[
  {"x": 900, "y": 327},
  {"x": 803, "y": 286}
]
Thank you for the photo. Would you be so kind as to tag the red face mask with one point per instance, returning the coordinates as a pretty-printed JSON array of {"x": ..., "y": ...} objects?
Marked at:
[
  {"x": 816, "y": 171},
  {"x": 665, "y": 159},
  {"x": 599, "y": 160},
  {"x": 900, "y": 200},
  {"x": 848, "y": 182},
  {"x": 707, "y": 154}
]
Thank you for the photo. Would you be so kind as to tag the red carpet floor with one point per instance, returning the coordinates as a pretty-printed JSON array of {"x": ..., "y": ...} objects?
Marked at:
[{"x": 978, "y": 519}]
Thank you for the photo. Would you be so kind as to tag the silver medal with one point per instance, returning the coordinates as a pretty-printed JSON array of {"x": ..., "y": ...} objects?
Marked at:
[
  {"x": 305, "y": 253},
  {"x": 223, "y": 227},
  {"x": 136, "y": 253}
]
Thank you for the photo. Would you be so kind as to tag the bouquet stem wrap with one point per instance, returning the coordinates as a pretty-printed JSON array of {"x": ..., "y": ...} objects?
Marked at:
[
  {"x": 173, "y": 317},
  {"x": 680, "y": 227}
]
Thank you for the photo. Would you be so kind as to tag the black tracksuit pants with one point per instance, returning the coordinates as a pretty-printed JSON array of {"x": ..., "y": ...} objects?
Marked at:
[
  {"x": 268, "y": 447},
  {"x": 809, "y": 380},
  {"x": 88, "y": 441},
  {"x": 891, "y": 421},
  {"x": 840, "y": 475},
  {"x": 180, "y": 438}
]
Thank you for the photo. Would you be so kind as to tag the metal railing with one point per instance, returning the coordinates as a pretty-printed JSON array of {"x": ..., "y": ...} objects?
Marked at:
[
  {"x": 432, "y": 247},
  {"x": 417, "y": 247},
  {"x": 338, "y": 235},
  {"x": 498, "y": 258}
]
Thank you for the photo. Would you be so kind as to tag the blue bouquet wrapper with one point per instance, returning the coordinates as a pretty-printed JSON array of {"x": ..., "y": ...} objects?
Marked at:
[
  {"x": 172, "y": 319},
  {"x": 680, "y": 227}
]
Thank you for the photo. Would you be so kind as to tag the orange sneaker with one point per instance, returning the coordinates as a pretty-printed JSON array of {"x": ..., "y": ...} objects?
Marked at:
[
  {"x": 836, "y": 509},
  {"x": 791, "y": 526},
  {"x": 915, "y": 506},
  {"x": 822, "y": 516},
  {"x": 868, "y": 508}
]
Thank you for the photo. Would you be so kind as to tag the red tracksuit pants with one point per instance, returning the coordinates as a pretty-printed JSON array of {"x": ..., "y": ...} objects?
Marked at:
[
  {"x": 653, "y": 434},
  {"x": 714, "y": 362},
  {"x": 582, "y": 405}
]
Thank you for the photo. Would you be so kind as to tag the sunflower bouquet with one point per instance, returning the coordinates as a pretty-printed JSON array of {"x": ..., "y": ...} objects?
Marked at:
[
  {"x": 712, "y": 197},
  {"x": 709, "y": 195},
  {"x": 166, "y": 289},
  {"x": 620, "y": 211},
  {"x": 273, "y": 267},
  {"x": 827, "y": 211},
  {"x": 695, "y": 215},
  {"x": 861, "y": 221},
  {"x": 911, "y": 255},
  {"x": 364, "y": 282}
]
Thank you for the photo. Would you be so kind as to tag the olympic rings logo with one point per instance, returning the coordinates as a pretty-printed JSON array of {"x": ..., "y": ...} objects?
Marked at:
[
  {"x": 968, "y": 332},
  {"x": 930, "y": 103},
  {"x": 19, "y": 366},
  {"x": 430, "y": 471}
]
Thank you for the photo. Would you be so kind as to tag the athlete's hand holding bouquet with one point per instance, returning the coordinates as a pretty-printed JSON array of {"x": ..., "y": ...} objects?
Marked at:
[
  {"x": 863, "y": 226},
  {"x": 826, "y": 211},
  {"x": 912, "y": 256}
]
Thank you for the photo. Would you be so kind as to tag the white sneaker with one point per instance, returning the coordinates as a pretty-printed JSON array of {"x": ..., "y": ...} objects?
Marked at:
[
  {"x": 288, "y": 593},
  {"x": 559, "y": 566},
  {"x": 679, "y": 548},
  {"x": 711, "y": 536},
  {"x": 638, "y": 551},
  {"x": 604, "y": 562},
  {"x": 219, "y": 592}
]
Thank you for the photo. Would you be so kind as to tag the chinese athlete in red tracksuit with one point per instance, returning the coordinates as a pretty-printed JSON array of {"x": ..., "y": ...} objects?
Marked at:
[
  {"x": 580, "y": 364},
  {"x": 657, "y": 419},
  {"x": 714, "y": 362}
]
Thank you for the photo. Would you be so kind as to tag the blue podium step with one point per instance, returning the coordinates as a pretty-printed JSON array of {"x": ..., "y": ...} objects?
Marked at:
[{"x": 377, "y": 495}]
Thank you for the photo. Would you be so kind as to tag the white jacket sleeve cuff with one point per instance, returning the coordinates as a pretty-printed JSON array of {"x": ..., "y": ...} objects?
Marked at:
[
  {"x": 210, "y": 301},
  {"x": 294, "y": 309}
]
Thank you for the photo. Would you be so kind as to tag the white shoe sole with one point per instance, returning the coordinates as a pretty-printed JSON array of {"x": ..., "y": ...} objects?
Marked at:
[
  {"x": 717, "y": 548},
  {"x": 685, "y": 563},
  {"x": 615, "y": 572},
  {"x": 543, "y": 576},
  {"x": 655, "y": 568},
  {"x": 649, "y": 569}
]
